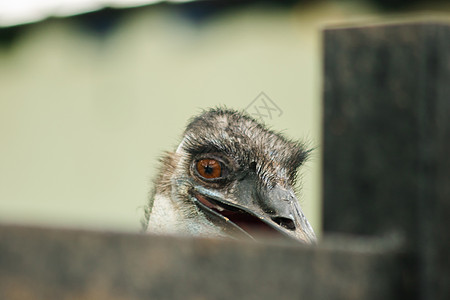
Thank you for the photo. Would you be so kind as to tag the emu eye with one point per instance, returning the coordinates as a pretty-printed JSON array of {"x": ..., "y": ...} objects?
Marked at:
[{"x": 209, "y": 168}]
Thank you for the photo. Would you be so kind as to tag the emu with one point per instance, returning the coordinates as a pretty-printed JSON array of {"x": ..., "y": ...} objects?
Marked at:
[{"x": 230, "y": 177}]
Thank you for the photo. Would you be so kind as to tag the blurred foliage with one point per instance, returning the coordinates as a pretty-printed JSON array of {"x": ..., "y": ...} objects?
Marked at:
[
  {"x": 101, "y": 22},
  {"x": 9, "y": 35},
  {"x": 391, "y": 4}
]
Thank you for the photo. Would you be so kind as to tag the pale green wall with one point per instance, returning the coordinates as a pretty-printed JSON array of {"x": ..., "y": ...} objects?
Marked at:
[{"x": 83, "y": 120}]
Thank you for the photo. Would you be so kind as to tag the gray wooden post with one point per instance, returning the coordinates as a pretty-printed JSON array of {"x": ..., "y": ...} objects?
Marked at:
[{"x": 387, "y": 140}]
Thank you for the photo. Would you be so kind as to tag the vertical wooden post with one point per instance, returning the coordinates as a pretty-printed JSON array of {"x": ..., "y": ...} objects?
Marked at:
[{"x": 387, "y": 140}]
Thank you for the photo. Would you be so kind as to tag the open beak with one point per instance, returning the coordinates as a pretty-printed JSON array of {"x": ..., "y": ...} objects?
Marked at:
[{"x": 260, "y": 212}]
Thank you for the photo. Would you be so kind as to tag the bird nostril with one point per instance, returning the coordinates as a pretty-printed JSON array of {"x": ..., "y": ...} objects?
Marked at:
[{"x": 284, "y": 222}]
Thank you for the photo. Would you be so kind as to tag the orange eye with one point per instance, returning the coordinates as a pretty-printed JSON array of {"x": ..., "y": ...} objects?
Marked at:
[{"x": 209, "y": 168}]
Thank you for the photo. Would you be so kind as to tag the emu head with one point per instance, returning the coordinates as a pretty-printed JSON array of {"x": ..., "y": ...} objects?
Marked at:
[{"x": 229, "y": 177}]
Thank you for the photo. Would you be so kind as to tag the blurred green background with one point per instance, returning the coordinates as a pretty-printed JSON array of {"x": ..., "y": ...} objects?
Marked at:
[{"x": 88, "y": 103}]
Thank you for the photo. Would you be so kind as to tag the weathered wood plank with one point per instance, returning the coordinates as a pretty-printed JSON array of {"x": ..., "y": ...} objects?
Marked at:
[{"x": 65, "y": 264}]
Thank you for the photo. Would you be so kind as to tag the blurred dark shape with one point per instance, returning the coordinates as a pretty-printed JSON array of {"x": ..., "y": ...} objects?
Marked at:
[
  {"x": 396, "y": 4},
  {"x": 101, "y": 22},
  {"x": 200, "y": 11},
  {"x": 9, "y": 35}
]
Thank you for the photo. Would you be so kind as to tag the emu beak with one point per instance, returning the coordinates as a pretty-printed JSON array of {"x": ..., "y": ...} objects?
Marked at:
[{"x": 257, "y": 212}]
